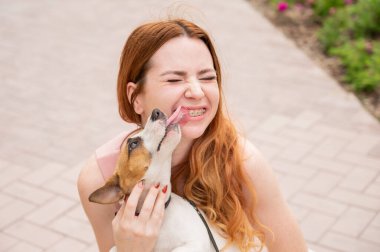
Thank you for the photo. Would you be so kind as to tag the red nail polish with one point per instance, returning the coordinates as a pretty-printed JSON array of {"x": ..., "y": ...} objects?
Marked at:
[
  {"x": 157, "y": 185},
  {"x": 165, "y": 189}
]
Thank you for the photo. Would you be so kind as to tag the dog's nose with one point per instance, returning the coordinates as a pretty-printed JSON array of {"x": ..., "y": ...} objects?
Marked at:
[{"x": 157, "y": 114}]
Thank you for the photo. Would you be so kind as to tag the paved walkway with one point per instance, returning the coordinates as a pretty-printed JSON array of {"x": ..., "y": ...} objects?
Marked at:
[{"x": 58, "y": 67}]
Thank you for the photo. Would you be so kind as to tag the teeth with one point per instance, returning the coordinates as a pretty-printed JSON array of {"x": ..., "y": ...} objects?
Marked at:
[{"x": 197, "y": 112}]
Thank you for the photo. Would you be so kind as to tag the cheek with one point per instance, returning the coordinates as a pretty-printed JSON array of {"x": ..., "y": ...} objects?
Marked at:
[{"x": 213, "y": 95}]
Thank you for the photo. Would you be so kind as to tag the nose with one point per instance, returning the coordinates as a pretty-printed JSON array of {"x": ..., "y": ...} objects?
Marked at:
[
  {"x": 156, "y": 115},
  {"x": 194, "y": 90}
]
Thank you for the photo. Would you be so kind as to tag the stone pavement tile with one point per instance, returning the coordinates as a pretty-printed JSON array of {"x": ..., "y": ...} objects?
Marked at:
[
  {"x": 330, "y": 147},
  {"x": 62, "y": 187},
  {"x": 274, "y": 123},
  {"x": 299, "y": 212},
  {"x": 268, "y": 138},
  {"x": 268, "y": 150},
  {"x": 4, "y": 199},
  {"x": 58, "y": 154},
  {"x": 347, "y": 244},
  {"x": 11, "y": 173},
  {"x": 301, "y": 135},
  {"x": 290, "y": 185},
  {"x": 328, "y": 165},
  {"x": 77, "y": 213},
  {"x": 375, "y": 151},
  {"x": 67, "y": 244},
  {"x": 322, "y": 183},
  {"x": 92, "y": 248},
  {"x": 50, "y": 210},
  {"x": 23, "y": 246},
  {"x": 306, "y": 119},
  {"x": 358, "y": 179},
  {"x": 333, "y": 131},
  {"x": 376, "y": 221},
  {"x": 44, "y": 174},
  {"x": 295, "y": 151},
  {"x": 27, "y": 192},
  {"x": 292, "y": 168},
  {"x": 73, "y": 228},
  {"x": 4, "y": 164},
  {"x": 34, "y": 234},
  {"x": 319, "y": 248},
  {"x": 21, "y": 158},
  {"x": 363, "y": 143},
  {"x": 316, "y": 203},
  {"x": 371, "y": 234},
  {"x": 355, "y": 199},
  {"x": 353, "y": 221},
  {"x": 373, "y": 189},
  {"x": 15, "y": 210},
  {"x": 359, "y": 159},
  {"x": 6, "y": 242},
  {"x": 314, "y": 225},
  {"x": 72, "y": 173}
]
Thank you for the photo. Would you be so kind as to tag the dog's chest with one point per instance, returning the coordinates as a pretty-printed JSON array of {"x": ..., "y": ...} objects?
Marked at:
[{"x": 183, "y": 230}]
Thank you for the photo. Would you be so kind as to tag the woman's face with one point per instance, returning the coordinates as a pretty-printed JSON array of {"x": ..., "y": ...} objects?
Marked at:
[{"x": 181, "y": 73}]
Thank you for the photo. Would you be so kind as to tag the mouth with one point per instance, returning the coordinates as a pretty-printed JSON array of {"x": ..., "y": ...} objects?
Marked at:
[
  {"x": 181, "y": 116},
  {"x": 184, "y": 114}
]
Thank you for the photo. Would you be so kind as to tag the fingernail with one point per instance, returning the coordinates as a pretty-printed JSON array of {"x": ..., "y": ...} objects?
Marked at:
[
  {"x": 157, "y": 185},
  {"x": 165, "y": 189},
  {"x": 141, "y": 184}
]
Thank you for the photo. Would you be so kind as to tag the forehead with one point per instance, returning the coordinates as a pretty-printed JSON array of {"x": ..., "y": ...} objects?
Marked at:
[{"x": 182, "y": 53}]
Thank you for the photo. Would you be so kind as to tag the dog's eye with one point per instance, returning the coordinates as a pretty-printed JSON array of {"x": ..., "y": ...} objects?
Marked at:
[{"x": 132, "y": 145}]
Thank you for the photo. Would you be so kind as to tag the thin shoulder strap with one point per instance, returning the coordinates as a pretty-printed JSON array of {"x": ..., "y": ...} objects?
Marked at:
[{"x": 206, "y": 225}]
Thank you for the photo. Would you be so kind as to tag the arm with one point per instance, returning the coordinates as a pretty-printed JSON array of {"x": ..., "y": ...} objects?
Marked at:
[
  {"x": 272, "y": 210},
  {"x": 100, "y": 216}
]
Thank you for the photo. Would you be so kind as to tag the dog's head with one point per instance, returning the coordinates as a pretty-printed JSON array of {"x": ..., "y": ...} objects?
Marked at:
[{"x": 154, "y": 144}]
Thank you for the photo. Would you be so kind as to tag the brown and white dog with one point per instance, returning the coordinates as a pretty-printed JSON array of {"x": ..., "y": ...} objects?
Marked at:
[{"x": 147, "y": 156}]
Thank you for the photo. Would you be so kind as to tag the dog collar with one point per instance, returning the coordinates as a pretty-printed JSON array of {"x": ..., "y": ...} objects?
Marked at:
[{"x": 168, "y": 201}]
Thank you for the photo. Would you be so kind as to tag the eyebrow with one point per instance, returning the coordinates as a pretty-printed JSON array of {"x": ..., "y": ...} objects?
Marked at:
[{"x": 182, "y": 73}]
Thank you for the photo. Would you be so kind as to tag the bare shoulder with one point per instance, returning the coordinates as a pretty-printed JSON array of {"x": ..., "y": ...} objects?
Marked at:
[
  {"x": 256, "y": 164},
  {"x": 100, "y": 216},
  {"x": 271, "y": 209}
]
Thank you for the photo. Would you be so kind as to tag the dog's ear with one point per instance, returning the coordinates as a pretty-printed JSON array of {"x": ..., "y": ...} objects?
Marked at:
[{"x": 109, "y": 193}]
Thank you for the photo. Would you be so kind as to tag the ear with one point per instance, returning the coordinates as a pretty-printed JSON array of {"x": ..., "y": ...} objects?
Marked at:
[
  {"x": 109, "y": 193},
  {"x": 137, "y": 104}
]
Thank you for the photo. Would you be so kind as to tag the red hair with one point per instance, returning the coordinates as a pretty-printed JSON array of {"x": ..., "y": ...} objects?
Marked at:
[{"x": 216, "y": 180}]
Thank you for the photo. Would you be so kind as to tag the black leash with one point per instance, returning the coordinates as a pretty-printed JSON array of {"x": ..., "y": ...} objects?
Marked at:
[{"x": 206, "y": 225}]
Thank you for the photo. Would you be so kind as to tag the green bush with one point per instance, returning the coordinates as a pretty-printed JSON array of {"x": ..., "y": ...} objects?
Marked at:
[
  {"x": 361, "y": 60},
  {"x": 322, "y": 7},
  {"x": 350, "y": 32},
  {"x": 352, "y": 22}
]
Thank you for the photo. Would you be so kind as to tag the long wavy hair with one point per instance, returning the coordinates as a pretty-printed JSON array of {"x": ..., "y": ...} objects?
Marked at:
[{"x": 216, "y": 180}]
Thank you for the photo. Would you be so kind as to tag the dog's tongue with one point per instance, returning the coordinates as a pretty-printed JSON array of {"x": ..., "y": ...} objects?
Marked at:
[{"x": 176, "y": 116}]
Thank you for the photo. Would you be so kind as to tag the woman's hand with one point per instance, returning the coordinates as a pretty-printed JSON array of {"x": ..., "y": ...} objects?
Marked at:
[{"x": 139, "y": 233}]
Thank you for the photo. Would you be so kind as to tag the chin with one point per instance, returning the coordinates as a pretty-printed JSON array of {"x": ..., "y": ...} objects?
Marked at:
[{"x": 192, "y": 132}]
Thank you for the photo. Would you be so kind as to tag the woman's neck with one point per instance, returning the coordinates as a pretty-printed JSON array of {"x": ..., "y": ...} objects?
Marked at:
[{"x": 181, "y": 151}]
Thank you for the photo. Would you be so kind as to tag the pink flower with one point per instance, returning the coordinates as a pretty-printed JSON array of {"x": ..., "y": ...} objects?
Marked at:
[
  {"x": 282, "y": 6},
  {"x": 332, "y": 11},
  {"x": 348, "y": 1}
]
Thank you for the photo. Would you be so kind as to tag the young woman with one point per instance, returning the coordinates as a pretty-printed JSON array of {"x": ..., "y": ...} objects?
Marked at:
[{"x": 165, "y": 65}]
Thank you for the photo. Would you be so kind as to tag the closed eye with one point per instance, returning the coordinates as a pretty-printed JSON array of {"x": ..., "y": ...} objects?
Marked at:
[
  {"x": 209, "y": 78},
  {"x": 174, "y": 80}
]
